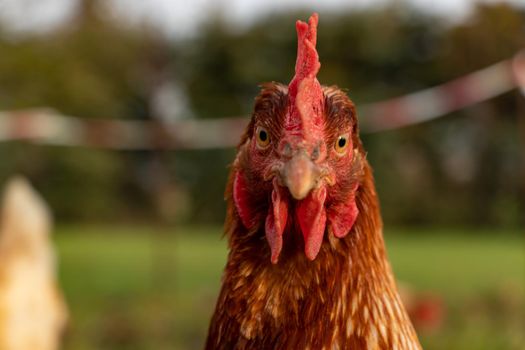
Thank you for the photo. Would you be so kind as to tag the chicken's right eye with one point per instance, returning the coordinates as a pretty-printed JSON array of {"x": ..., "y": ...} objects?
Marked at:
[{"x": 263, "y": 137}]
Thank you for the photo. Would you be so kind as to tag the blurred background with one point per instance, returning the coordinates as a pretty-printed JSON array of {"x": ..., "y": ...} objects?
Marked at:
[{"x": 139, "y": 232}]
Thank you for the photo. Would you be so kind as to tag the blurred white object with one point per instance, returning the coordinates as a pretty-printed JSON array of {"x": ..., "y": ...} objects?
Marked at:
[
  {"x": 33, "y": 313},
  {"x": 169, "y": 102}
]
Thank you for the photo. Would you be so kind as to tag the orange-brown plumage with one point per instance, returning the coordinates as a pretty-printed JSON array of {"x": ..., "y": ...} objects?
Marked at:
[{"x": 280, "y": 290}]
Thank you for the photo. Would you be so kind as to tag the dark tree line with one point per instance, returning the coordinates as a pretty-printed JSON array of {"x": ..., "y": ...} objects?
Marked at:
[{"x": 463, "y": 169}]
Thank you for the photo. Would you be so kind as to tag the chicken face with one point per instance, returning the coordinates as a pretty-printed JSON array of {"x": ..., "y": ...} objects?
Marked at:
[{"x": 298, "y": 168}]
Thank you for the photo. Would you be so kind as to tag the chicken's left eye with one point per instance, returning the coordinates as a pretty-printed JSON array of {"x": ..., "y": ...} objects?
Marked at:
[
  {"x": 341, "y": 144},
  {"x": 263, "y": 137}
]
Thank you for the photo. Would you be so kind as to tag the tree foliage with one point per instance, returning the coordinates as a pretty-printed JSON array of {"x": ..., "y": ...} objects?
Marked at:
[{"x": 466, "y": 168}]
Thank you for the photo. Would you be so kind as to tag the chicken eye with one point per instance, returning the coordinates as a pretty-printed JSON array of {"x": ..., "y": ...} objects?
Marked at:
[
  {"x": 342, "y": 144},
  {"x": 263, "y": 137}
]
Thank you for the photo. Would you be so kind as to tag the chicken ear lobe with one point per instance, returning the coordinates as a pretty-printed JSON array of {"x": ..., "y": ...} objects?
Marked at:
[
  {"x": 342, "y": 217},
  {"x": 241, "y": 199},
  {"x": 276, "y": 222},
  {"x": 311, "y": 215}
]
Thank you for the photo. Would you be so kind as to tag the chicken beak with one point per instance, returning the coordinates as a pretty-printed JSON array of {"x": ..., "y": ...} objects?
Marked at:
[{"x": 299, "y": 175}]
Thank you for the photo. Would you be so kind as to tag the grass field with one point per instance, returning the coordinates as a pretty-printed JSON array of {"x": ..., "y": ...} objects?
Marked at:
[{"x": 151, "y": 288}]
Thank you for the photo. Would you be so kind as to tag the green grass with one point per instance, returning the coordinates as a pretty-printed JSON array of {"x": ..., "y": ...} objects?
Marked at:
[
  {"x": 152, "y": 288},
  {"x": 458, "y": 265}
]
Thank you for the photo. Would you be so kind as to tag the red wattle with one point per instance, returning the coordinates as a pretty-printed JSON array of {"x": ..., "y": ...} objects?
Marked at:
[
  {"x": 311, "y": 215},
  {"x": 276, "y": 222}
]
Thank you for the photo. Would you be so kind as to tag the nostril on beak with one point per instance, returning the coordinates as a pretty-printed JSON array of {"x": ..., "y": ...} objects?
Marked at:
[
  {"x": 287, "y": 150},
  {"x": 316, "y": 152}
]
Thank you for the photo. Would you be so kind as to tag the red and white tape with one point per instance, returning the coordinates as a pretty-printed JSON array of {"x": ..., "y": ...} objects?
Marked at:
[
  {"x": 440, "y": 100},
  {"x": 46, "y": 126},
  {"x": 518, "y": 66}
]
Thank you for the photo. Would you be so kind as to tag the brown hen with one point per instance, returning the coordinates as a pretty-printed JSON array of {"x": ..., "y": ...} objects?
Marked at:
[{"x": 307, "y": 267}]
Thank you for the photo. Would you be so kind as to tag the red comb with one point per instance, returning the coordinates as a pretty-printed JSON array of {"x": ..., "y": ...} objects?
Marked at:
[
  {"x": 305, "y": 93},
  {"x": 307, "y": 63}
]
